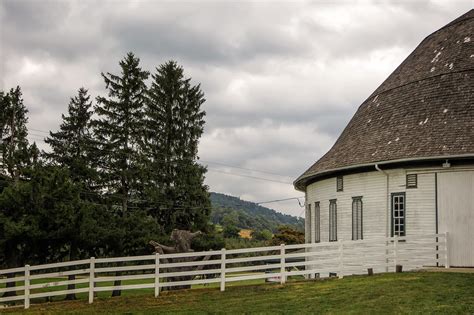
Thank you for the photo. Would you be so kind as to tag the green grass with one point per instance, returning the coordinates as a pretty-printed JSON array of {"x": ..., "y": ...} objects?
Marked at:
[
  {"x": 134, "y": 292},
  {"x": 422, "y": 292}
]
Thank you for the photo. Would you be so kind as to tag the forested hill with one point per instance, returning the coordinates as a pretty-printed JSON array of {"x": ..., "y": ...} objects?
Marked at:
[{"x": 249, "y": 215}]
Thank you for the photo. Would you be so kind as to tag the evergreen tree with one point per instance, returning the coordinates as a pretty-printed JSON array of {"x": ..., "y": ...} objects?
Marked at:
[
  {"x": 43, "y": 219},
  {"x": 175, "y": 123},
  {"x": 119, "y": 133},
  {"x": 14, "y": 146},
  {"x": 119, "y": 130},
  {"x": 72, "y": 145},
  {"x": 16, "y": 160},
  {"x": 4, "y": 108}
]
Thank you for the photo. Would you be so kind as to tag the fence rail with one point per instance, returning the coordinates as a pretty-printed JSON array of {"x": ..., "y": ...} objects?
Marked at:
[{"x": 222, "y": 266}]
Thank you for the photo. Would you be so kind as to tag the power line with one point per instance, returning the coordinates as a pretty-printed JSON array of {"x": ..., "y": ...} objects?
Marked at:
[
  {"x": 205, "y": 161},
  {"x": 278, "y": 200},
  {"x": 249, "y": 176},
  {"x": 38, "y": 130},
  {"x": 37, "y": 135},
  {"x": 244, "y": 168},
  {"x": 36, "y": 138}
]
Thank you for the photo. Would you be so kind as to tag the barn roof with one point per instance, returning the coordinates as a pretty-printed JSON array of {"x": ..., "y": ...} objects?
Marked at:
[{"x": 423, "y": 110}]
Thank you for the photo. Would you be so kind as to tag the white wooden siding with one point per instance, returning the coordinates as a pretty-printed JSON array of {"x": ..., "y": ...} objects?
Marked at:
[
  {"x": 420, "y": 203},
  {"x": 456, "y": 215},
  {"x": 371, "y": 186},
  {"x": 421, "y": 206}
]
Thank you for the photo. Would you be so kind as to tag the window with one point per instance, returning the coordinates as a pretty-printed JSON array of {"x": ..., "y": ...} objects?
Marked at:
[
  {"x": 339, "y": 183},
  {"x": 357, "y": 218},
  {"x": 332, "y": 220},
  {"x": 307, "y": 221},
  {"x": 317, "y": 222},
  {"x": 398, "y": 214},
  {"x": 412, "y": 181}
]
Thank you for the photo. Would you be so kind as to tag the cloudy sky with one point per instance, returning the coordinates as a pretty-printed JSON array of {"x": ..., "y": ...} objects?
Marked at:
[{"x": 281, "y": 79}]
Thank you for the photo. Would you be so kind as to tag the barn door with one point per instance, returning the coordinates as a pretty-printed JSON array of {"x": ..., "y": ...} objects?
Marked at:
[{"x": 456, "y": 215}]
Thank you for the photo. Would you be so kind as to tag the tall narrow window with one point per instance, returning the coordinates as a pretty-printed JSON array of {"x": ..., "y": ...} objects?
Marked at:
[
  {"x": 307, "y": 221},
  {"x": 317, "y": 222},
  {"x": 332, "y": 220},
  {"x": 339, "y": 183},
  {"x": 398, "y": 214},
  {"x": 357, "y": 218}
]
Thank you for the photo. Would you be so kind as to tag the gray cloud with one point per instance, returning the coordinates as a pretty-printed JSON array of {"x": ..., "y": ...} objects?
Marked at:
[{"x": 281, "y": 79}]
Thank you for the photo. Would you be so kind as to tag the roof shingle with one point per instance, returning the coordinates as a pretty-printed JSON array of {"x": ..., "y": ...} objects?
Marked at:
[{"x": 425, "y": 108}]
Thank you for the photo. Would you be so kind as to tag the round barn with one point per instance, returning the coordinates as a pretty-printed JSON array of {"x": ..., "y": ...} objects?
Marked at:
[{"x": 404, "y": 165}]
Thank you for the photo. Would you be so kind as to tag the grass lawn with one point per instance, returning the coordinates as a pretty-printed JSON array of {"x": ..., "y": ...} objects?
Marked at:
[
  {"x": 420, "y": 292},
  {"x": 84, "y": 296}
]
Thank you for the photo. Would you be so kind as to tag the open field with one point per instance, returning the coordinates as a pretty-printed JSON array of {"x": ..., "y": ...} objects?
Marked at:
[{"x": 420, "y": 292}]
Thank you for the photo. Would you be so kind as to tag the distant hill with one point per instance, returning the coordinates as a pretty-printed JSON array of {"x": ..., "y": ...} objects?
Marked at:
[{"x": 249, "y": 215}]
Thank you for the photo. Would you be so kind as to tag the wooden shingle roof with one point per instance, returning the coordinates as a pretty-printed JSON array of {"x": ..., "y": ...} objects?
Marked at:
[{"x": 424, "y": 109}]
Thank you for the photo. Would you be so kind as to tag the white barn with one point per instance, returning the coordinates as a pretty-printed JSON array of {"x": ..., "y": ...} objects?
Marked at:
[{"x": 404, "y": 165}]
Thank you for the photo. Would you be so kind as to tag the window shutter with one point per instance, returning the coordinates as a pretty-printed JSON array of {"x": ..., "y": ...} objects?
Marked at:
[
  {"x": 412, "y": 180},
  {"x": 340, "y": 183},
  {"x": 317, "y": 220},
  {"x": 332, "y": 220}
]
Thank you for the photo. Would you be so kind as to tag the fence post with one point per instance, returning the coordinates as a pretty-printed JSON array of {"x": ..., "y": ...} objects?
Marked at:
[
  {"x": 395, "y": 253},
  {"x": 341, "y": 259},
  {"x": 157, "y": 275},
  {"x": 312, "y": 275},
  {"x": 223, "y": 269},
  {"x": 27, "y": 286},
  {"x": 91, "y": 280},
  {"x": 282, "y": 264},
  {"x": 446, "y": 248}
]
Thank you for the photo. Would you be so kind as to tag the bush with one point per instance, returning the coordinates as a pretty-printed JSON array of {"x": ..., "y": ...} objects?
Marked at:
[
  {"x": 263, "y": 235},
  {"x": 209, "y": 241},
  {"x": 287, "y": 235},
  {"x": 231, "y": 231}
]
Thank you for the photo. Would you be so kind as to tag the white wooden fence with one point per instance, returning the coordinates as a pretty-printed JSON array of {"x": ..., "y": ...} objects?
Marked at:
[{"x": 223, "y": 266}]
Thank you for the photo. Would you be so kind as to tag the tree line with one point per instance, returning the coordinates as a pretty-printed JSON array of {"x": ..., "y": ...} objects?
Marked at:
[{"x": 121, "y": 170}]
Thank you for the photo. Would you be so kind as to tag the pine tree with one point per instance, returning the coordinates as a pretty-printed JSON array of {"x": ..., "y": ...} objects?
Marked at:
[
  {"x": 4, "y": 108},
  {"x": 72, "y": 145},
  {"x": 14, "y": 143},
  {"x": 175, "y": 123},
  {"x": 72, "y": 148},
  {"x": 119, "y": 133},
  {"x": 119, "y": 129},
  {"x": 17, "y": 158},
  {"x": 44, "y": 219}
]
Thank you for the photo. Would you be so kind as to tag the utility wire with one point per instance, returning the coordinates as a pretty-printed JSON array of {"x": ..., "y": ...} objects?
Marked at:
[
  {"x": 249, "y": 176},
  {"x": 244, "y": 168},
  {"x": 33, "y": 137},
  {"x": 39, "y": 130},
  {"x": 204, "y": 161},
  {"x": 278, "y": 200},
  {"x": 39, "y": 137}
]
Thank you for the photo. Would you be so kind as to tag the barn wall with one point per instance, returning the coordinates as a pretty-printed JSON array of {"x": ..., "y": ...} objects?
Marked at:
[
  {"x": 421, "y": 205},
  {"x": 372, "y": 186},
  {"x": 456, "y": 215}
]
